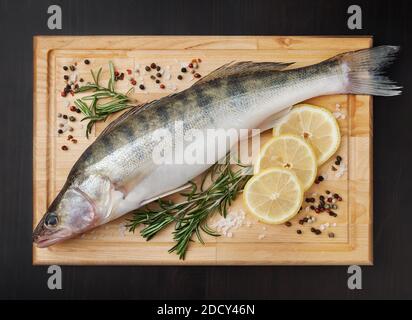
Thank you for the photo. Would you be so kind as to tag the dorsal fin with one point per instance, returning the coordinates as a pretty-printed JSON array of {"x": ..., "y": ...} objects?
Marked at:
[
  {"x": 238, "y": 68},
  {"x": 125, "y": 115}
]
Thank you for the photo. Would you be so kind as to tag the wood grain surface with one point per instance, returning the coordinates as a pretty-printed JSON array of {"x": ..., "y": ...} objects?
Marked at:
[{"x": 254, "y": 243}]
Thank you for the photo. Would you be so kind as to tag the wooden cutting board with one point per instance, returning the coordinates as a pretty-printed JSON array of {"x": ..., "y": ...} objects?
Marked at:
[{"x": 253, "y": 243}]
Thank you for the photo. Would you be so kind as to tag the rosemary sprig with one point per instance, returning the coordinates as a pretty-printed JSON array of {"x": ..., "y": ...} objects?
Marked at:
[
  {"x": 103, "y": 102},
  {"x": 190, "y": 215}
]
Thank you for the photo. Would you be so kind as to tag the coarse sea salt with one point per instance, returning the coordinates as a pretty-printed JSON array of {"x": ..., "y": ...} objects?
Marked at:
[
  {"x": 261, "y": 236},
  {"x": 227, "y": 225},
  {"x": 341, "y": 170}
]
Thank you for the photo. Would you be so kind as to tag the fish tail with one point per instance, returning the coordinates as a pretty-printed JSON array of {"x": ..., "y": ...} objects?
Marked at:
[{"x": 364, "y": 71}]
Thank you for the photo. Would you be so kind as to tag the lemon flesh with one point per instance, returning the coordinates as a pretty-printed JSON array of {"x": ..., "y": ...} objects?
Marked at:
[
  {"x": 273, "y": 195},
  {"x": 316, "y": 125},
  {"x": 292, "y": 153}
]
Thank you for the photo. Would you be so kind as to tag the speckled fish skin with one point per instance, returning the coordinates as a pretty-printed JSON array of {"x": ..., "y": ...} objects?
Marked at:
[{"x": 116, "y": 174}]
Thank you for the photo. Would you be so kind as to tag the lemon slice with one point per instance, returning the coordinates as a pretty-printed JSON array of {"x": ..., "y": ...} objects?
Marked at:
[
  {"x": 292, "y": 153},
  {"x": 317, "y": 125},
  {"x": 274, "y": 195}
]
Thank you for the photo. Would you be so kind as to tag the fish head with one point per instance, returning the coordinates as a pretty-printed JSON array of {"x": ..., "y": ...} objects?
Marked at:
[{"x": 72, "y": 213}]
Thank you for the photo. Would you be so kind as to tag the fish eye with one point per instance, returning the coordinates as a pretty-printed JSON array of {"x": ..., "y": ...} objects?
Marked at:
[{"x": 51, "y": 220}]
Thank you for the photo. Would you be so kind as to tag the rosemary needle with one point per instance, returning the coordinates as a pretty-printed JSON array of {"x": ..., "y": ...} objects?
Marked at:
[
  {"x": 103, "y": 102},
  {"x": 190, "y": 215}
]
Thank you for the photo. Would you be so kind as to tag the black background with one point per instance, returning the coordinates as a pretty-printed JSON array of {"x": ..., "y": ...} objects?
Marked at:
[{"x": 388, "y": 21}]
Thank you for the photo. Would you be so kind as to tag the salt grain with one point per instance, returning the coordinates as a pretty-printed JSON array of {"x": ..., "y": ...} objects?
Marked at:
[
  {"x": 341, "y": 170},
  {"x": 261, "y": 236},
  {"x": 232, "y": 222}
]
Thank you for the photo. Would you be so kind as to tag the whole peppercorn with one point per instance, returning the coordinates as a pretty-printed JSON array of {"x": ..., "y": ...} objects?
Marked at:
[
  {"x": 147, "y": 68},
  {"x": 133, "y": 82},
  {"x": 86, "y": 61},
  {"x": 159, "y": 75},
  {"x": 157, "y": 81},
  {"x": 288, "y": 224},
  {"x": 81, "y": 80},
  {"x": 152, "y": 77},
  {"x": 74, "y": 141},
  {"x": 69, "y": 137},
  {"x": 65, "y": 68},
  {"x": 179, "y": 77},
  {"x": 60, "y": 131},
  {"x": 65, "y": 116},
  {"x": 331, "y": 235},
  {"x": 162, "y": 86},
  {"x": 71, "y": 118},
  {"x": 339, "y": 158},
  {"x": 78, "y": 110},
  {"x": 184, "y": 70},
  {"x": 73, "y": 108},
  {"x": 321, "y": 178},
  {"x": 63, "y": 94},
  {"x": 141, "y": 87},
  {"x": 158, "y": 68},
  {"x": 65, "y": 148},
  {"x": 72, "y": 68},
  {"x": 299, "y": 231},
  {"x": 66, "y": 77},
  {"x": 190, "y": 65},
  {"x": 153, "y": 65},
  {"x": 197, "y": 75}
]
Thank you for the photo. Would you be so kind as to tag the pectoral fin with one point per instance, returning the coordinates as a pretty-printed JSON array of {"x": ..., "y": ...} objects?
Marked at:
[{"x": 184, "y": 187}]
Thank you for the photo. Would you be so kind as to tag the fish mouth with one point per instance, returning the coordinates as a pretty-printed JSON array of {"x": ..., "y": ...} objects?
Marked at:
[{"x": 46, "y": 240}]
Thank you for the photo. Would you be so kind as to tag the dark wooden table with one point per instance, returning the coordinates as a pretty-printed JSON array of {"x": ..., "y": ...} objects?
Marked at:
[{"x": 389, "y": 21}]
